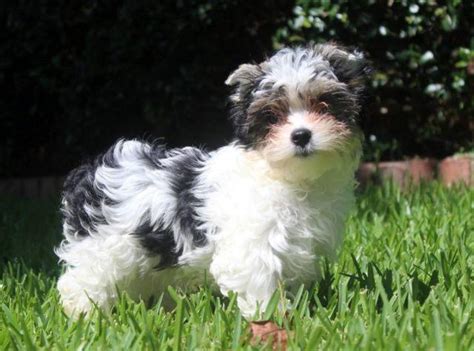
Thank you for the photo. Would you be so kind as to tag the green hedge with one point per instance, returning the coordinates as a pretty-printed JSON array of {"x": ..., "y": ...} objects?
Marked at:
[{"x": 421, "y": 94}]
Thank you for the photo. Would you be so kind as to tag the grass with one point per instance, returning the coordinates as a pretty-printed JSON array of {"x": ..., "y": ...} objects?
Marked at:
[{"x": 404, "y": 281}]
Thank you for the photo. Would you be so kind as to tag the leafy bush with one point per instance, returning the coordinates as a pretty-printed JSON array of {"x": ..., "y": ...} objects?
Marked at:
[{"x": 422, "y": 97}]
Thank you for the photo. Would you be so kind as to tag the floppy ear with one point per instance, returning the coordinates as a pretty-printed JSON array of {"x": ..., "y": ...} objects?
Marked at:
[
  {"x": 349, "y": 66},
  {"x": 243, "y": 79},
  {"x": 245, "y": 73}
]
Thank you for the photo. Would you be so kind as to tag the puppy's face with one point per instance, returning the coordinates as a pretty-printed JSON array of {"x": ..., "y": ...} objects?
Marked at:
[{"x": 299, "y": 103}]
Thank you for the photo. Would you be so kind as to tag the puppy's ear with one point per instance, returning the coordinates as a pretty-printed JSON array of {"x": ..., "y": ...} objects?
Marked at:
[
  {"x": 243, "y": 79},
  {"x": 349, "y": 65},
  {"x": 245, "y": 73}
]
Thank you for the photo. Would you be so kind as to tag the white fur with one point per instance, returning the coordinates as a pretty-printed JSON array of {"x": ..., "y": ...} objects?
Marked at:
[
  {"x": 265, "y": 224},
  {"x": 294, "y": 69},
  {"x": 273, "y": 228}
]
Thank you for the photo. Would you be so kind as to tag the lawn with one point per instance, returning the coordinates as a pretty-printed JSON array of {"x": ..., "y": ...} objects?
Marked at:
[{"x": 403, "y": 281}]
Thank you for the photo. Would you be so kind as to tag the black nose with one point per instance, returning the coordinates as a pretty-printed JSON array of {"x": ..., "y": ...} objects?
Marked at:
[{"x": 301, "y": 137}]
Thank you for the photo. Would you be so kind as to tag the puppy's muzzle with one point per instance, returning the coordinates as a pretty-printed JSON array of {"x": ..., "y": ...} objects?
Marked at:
[{"x": 301, "y": 137}]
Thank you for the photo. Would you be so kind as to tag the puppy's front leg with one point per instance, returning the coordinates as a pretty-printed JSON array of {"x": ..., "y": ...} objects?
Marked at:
[{"x": 248, "y": 267}]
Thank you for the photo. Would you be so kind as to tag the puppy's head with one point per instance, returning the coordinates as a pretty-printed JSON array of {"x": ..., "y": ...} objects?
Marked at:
[{"x": 299, "y": 104}]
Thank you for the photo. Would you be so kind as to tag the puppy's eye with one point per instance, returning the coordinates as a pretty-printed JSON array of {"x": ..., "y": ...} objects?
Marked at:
[
  {"x": 318, "y": 105},
  {"x": 322, "y": 107},
  {"x": 272, "y": 118}
]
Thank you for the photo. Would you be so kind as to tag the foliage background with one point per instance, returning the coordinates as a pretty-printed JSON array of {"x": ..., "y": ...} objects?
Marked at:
[
  {"x": 421, "y": 95},
  {"x": 76, "y": 75}
]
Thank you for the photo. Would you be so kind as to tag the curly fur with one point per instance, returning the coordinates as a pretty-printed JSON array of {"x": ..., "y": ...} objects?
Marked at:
[{"x": 259, "y": 212}]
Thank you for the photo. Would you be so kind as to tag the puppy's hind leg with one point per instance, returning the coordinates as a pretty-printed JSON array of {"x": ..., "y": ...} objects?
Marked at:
[{"x": 99, "y": 268}]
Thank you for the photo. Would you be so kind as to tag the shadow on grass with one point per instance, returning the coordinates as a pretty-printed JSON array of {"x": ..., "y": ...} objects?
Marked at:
[{"x": 416, "y": 285}]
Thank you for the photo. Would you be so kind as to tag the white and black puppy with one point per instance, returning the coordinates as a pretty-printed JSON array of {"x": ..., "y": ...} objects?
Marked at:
[{"x": 255, "y": 214}]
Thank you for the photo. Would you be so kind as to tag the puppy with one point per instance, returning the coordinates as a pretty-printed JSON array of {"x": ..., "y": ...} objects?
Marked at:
[{"x": 253, "y": 215}]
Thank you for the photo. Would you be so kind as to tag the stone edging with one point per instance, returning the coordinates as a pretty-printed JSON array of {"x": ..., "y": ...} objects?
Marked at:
[{"x": 449, "y": 171}]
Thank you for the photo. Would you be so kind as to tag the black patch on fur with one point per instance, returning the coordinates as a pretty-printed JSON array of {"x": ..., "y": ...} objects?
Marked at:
[
  {"x": 245, "y": 83},
  {"x": 182, "y": 165},
  {"x": 342, "y": 104},
  {"x": 253, "y": 118},
  {"x": 158, "y": 241},
  {"x": 183, "y": 172},
  {"x": 79, "y": 190},
  {"x": 153, "y": 154}
]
